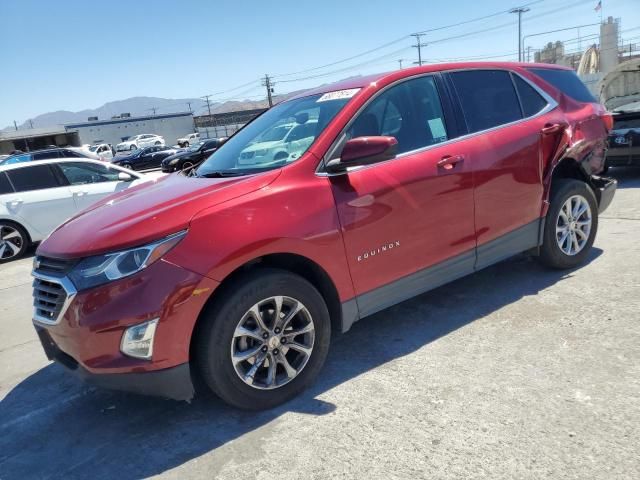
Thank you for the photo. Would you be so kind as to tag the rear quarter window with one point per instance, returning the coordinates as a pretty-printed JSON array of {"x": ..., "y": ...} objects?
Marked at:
[{"x": 567, "y": 82}]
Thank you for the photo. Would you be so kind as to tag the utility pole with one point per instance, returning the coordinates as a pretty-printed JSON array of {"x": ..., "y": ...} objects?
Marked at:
[
  {"x": 31, "y": 123},
  {"x": 400, "y": 60},
  {"x": 528, "y": 53},
  {"x": 419, "y": 46},
  {"x": 206, "y": 97},
  {"x": 268, "y": 83},
  {"x": 15, "y": 125},
  {"x": 153, "y": 109},
  {"x": 189, "y": 104},
  {"x": 519, "y": 11}
]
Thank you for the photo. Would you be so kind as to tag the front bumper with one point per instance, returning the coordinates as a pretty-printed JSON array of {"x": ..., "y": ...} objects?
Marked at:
[
  {"x": 87, "y": 335},
  {"x": 174, "y": 383}
]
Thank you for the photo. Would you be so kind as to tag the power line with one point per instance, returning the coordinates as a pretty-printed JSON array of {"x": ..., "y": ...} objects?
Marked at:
[{"x": 419, "y": 46}]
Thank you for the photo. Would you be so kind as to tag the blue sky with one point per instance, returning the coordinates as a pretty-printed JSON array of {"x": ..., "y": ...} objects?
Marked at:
[{"x": 80, "y": 54}]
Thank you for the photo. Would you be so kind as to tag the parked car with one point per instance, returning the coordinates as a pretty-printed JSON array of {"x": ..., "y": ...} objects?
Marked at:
[
  {"x": 145, "y": 158},
  {"x": 187, "y": 140},
  {"x": 36, "y": 197},
  {"x": 624, "y": 139},
  {"x": 48, "y": 154},
  {"x": 295, "y": 140},
  {"x": 238, "y": 272},
  {"x": 140, "y": 141},
  {"x": 191, "y": 157},
  {"x": 103, "y": 150}
]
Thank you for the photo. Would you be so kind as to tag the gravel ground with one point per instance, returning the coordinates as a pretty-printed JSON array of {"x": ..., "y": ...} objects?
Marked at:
[{"x": 514, "y": 372}]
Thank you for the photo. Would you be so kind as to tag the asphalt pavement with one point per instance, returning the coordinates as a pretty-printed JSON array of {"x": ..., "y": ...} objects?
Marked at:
[{"x": 516, "y": 372}]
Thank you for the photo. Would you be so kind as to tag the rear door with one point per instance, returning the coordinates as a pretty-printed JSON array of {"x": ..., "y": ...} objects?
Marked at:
[
  {"x": 40, "y": 197},
  {"x": 90, "y": 182},
  {"x": 506, "y": 118},
  {"x": 407, "y": 223}
]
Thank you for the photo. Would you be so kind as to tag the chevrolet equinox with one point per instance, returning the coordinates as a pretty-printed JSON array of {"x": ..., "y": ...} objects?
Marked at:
[{"x": 235, "y": 274}]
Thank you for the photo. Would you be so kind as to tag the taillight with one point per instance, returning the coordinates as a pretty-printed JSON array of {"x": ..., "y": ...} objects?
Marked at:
[{"x": 607, "y": 118}]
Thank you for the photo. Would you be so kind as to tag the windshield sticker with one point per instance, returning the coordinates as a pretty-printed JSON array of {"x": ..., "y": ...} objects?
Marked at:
[{"x": 338, "y": 95}]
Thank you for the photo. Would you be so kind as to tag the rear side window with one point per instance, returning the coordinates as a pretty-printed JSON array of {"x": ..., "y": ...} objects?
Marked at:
[
  {"x": 36, "y": 177},
  {"x": 488, "y": 98},
  {"x": 567, "y": 82},
  {"x": 46, "y": 155},
  {"x": 532, "y": 102},
  {"x": 5, "y": 186}
]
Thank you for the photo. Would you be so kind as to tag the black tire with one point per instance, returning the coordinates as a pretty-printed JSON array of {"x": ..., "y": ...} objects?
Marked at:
[
  {"x": 214, "y": 338},
  {"x": 132, "y": 147},
  {"x": 550, "y": 253},
  {"x": 23, "y": 242},
  {"x": 127, "y": 166},
  {"x": 186, "y": 145},
  {"x": 158, "y": 143}
]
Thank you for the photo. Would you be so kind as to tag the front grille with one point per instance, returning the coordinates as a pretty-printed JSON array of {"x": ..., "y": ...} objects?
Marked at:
[
  {"x": 52, "y": 266},
  {"x": 49, "y": 297}
]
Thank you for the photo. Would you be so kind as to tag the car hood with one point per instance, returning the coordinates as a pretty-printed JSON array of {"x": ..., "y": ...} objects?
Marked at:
[
  {"x": 144, "y": 213},
  {"x": 180, "y": 155}
]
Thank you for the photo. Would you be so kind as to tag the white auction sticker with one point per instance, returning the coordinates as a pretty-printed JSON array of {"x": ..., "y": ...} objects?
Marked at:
[{"x": 338, "y": 94}]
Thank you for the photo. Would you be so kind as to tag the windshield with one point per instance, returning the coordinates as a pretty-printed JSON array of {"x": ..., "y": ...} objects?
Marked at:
[
  {"x": 278, "y": 137},
  {"x": 94, "y": 148},
  {"x": 195, "y": 146}
]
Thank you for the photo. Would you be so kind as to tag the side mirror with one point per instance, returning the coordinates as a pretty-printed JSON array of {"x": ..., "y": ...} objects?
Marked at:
[
  {"x": 363, "y": 151},
  {"x": 124, "y": 177}
]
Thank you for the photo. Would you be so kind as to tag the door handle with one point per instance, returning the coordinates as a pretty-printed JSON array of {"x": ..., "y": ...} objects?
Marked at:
[
  {"x": 80, "y": 194},
  {"x": 449, "y": 161},
  {"x": 550, "y": 128}
]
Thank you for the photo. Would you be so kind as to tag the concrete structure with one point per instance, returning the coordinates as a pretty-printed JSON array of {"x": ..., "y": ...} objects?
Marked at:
[
  {"x": 622, "y": 85},
  {"x": 37, "y": 138},
  {"x": 609, "y": 45},
  {"x": 171, "y": 126}
]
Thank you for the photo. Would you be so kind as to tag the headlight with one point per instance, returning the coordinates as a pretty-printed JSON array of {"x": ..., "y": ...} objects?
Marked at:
[{"x": 94, "y": 271}]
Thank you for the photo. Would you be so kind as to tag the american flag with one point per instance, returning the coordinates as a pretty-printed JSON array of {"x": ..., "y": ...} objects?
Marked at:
[{"x": 598, "y": 6}]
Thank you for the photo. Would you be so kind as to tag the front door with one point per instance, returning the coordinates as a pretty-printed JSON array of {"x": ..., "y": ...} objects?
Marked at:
[
  {"x": 91, "y": 182},
  {"x": 407, "y": 223}
]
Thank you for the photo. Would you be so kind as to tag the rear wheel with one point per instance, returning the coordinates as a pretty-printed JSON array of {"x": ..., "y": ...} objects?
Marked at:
[
  {"x": 132, "y": 147},
  {"x": 127, "y": 165},
  {"x": 570, "y": 226},
  {"x": 13, "y": 241},
  {"x": 158, "y": 143},
  {"x": 186, "y": 144},
  {"x": 265, "y": 340}
]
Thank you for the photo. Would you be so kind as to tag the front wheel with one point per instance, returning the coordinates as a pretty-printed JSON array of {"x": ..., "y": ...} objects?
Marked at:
[
  {"x": 570, "y": 226},
  {"x": 13, "y": 241},
  {"x": 132, "y": 147},
  {"x": 264, "y": 340}
]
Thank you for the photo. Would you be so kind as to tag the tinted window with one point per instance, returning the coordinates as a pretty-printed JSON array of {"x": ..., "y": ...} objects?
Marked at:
[
  {"x": 567, "y": 82},
  {"x": 72, "y": 154},
  {"x": 5, "y": 186},
  {"x": 83, "y": 173},
  {"x": 410, "y": 112},
  {"x": 46, "y": 155},
  {"x": 488, "y": 98},
  {"x": 531, "y": 101},
  {"x": 34, "y": 177}
]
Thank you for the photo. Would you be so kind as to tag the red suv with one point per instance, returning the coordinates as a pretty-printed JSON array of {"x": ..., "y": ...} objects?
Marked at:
[{"x": 325, "y": 209}]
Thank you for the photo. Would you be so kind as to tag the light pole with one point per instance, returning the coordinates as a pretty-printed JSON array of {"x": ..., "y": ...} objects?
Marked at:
[{"x": 519, "y": 11}]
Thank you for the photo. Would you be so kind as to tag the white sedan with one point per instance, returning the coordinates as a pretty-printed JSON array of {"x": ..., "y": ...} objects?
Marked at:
[
  {"x": 140, "y": 141},
  {"x": 36, "y": 197}
]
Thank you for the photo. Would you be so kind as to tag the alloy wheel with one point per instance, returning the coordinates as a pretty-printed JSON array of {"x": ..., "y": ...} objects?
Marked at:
[
  {"x": 11, "y": 242},
  {"x": 273, "y": 342},
  {"x": 573, "y": 225}
]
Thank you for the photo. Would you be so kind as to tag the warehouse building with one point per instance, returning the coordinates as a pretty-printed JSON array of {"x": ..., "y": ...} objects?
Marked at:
[
  {"x": 171, "y": 126},
  {"x": 37, "y": 138}
]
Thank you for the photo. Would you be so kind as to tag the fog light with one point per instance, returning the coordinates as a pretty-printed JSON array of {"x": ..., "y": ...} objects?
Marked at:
[{"x": 137, "y": 341}]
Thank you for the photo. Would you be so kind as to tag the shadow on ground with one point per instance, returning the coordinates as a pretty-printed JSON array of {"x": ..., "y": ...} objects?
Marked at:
[
  {"x": 628, "y": 177},
  {"x": 53, "y": 427}
]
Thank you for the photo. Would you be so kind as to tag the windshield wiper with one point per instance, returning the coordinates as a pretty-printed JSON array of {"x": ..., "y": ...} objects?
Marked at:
[{"x": 220, "y": 174}]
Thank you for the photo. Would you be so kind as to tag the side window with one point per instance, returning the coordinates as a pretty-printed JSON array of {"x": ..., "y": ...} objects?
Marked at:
[
  {"x": 532, "y": 102},
  {"x": 83, "y": 173},
  {"x": 488, "y": 98},
  {"x": 35, "y": 177},
  {"x": 567, "y": 82},
  {"x": 71, "y": 154},
  {"x": 46, "y": 155},
  {"x": 411, "y": 112},
  {"x": 18, "y": 159},
  {"x": 5, "y": 186}
]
